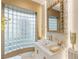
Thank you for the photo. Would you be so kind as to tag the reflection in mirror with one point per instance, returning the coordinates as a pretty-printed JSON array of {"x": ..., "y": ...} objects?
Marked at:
[
  {"x": 56, "y": 7},
  {"x": 52, "y": 23}
]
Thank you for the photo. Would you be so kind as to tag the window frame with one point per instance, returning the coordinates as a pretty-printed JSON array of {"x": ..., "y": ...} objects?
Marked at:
[{"x": 16, "y": 27}]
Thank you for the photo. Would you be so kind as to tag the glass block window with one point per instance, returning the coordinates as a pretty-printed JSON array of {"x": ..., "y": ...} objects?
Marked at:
[
  {"x": 19, "y": 28},
  {"x": 52, "y": 23}
]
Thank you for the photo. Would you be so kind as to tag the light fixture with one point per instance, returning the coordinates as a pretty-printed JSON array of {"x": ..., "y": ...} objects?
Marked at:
[
  {"x": 73, "y": 39},
  {"x": 3, "y": 20}
]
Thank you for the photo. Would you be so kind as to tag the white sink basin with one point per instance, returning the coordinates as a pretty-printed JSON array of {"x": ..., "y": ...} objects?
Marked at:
[
  {"x": 49, "y": 49},
  {"x": 53, "y": 48},
  {"x": 46, "y": 42}
]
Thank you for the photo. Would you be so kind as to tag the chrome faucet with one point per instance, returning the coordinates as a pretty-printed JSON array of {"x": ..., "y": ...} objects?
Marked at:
[{"x": 50, "y": 37}]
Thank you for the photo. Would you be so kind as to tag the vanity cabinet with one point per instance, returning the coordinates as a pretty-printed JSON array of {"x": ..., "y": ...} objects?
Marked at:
[
  {"x": 72, "y": 54},
  {"x": 38, "y": 54},
  {"x": 42, "y": 53}
]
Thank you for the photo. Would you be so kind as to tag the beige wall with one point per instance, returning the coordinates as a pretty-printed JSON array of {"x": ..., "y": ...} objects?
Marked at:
[
  {"x": 75, "y": 20},
  {"x": 44, "y": 20},
  {"x": 39, "y": 22},
  {"x": 72, "y": 20},
  {"x": 23, "y": 4}
]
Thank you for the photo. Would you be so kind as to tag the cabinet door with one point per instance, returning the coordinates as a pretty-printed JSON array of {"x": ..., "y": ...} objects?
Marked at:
[
  {"x": 39, "y": 54},
  {"x": 36, "y": 53}
]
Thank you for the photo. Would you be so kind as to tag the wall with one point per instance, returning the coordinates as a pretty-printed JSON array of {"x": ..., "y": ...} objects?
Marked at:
[
  {"x": 75, "y": 12},
  {"x": 39, "y": 22},
  {"x": 56, "y": 36},
  {"x": 23, "y": 4},
  {"x": 73, "y": 17},
  {"x": 71, "y": 20}
]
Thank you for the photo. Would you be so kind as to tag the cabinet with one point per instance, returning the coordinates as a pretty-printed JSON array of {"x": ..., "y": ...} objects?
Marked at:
[
  {"x": 38, "y": 54},
  {"x": 72, "y": 54},
  {"x": 41, "y": 54}
]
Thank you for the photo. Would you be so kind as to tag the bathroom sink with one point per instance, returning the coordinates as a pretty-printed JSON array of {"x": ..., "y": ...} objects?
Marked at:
[
  {"x": 53, "y": 48},
  {"x": 48, "y": 49},
  {"x": 46, "y": 43}
]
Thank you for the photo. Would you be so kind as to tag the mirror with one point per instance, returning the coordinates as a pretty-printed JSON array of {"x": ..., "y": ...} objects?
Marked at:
[{"x": 55, "y": 17}]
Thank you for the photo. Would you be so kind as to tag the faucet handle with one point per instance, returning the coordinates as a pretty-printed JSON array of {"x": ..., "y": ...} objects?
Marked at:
[
  {"x": 49, "y": 37},
  {"x": 60, "y": 42}
]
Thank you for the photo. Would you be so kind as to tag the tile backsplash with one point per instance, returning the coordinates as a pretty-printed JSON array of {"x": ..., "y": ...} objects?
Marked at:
[{"x": 55, "y": 36}]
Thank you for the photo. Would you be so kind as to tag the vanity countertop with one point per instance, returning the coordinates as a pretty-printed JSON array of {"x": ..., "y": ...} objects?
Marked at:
[{"x": 42, "y": 45}]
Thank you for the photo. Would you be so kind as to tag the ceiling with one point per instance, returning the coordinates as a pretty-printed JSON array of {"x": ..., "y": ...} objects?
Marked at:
[
  {"x": 49, "y": 2},
  {"x": 39, "y": 1}
]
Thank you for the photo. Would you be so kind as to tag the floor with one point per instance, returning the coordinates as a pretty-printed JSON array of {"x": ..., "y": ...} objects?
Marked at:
[{"x": 28, "y": 55}]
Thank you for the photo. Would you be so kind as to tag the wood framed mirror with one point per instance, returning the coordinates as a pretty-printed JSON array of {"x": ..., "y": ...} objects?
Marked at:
[{"x": 55, "y": 22}]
